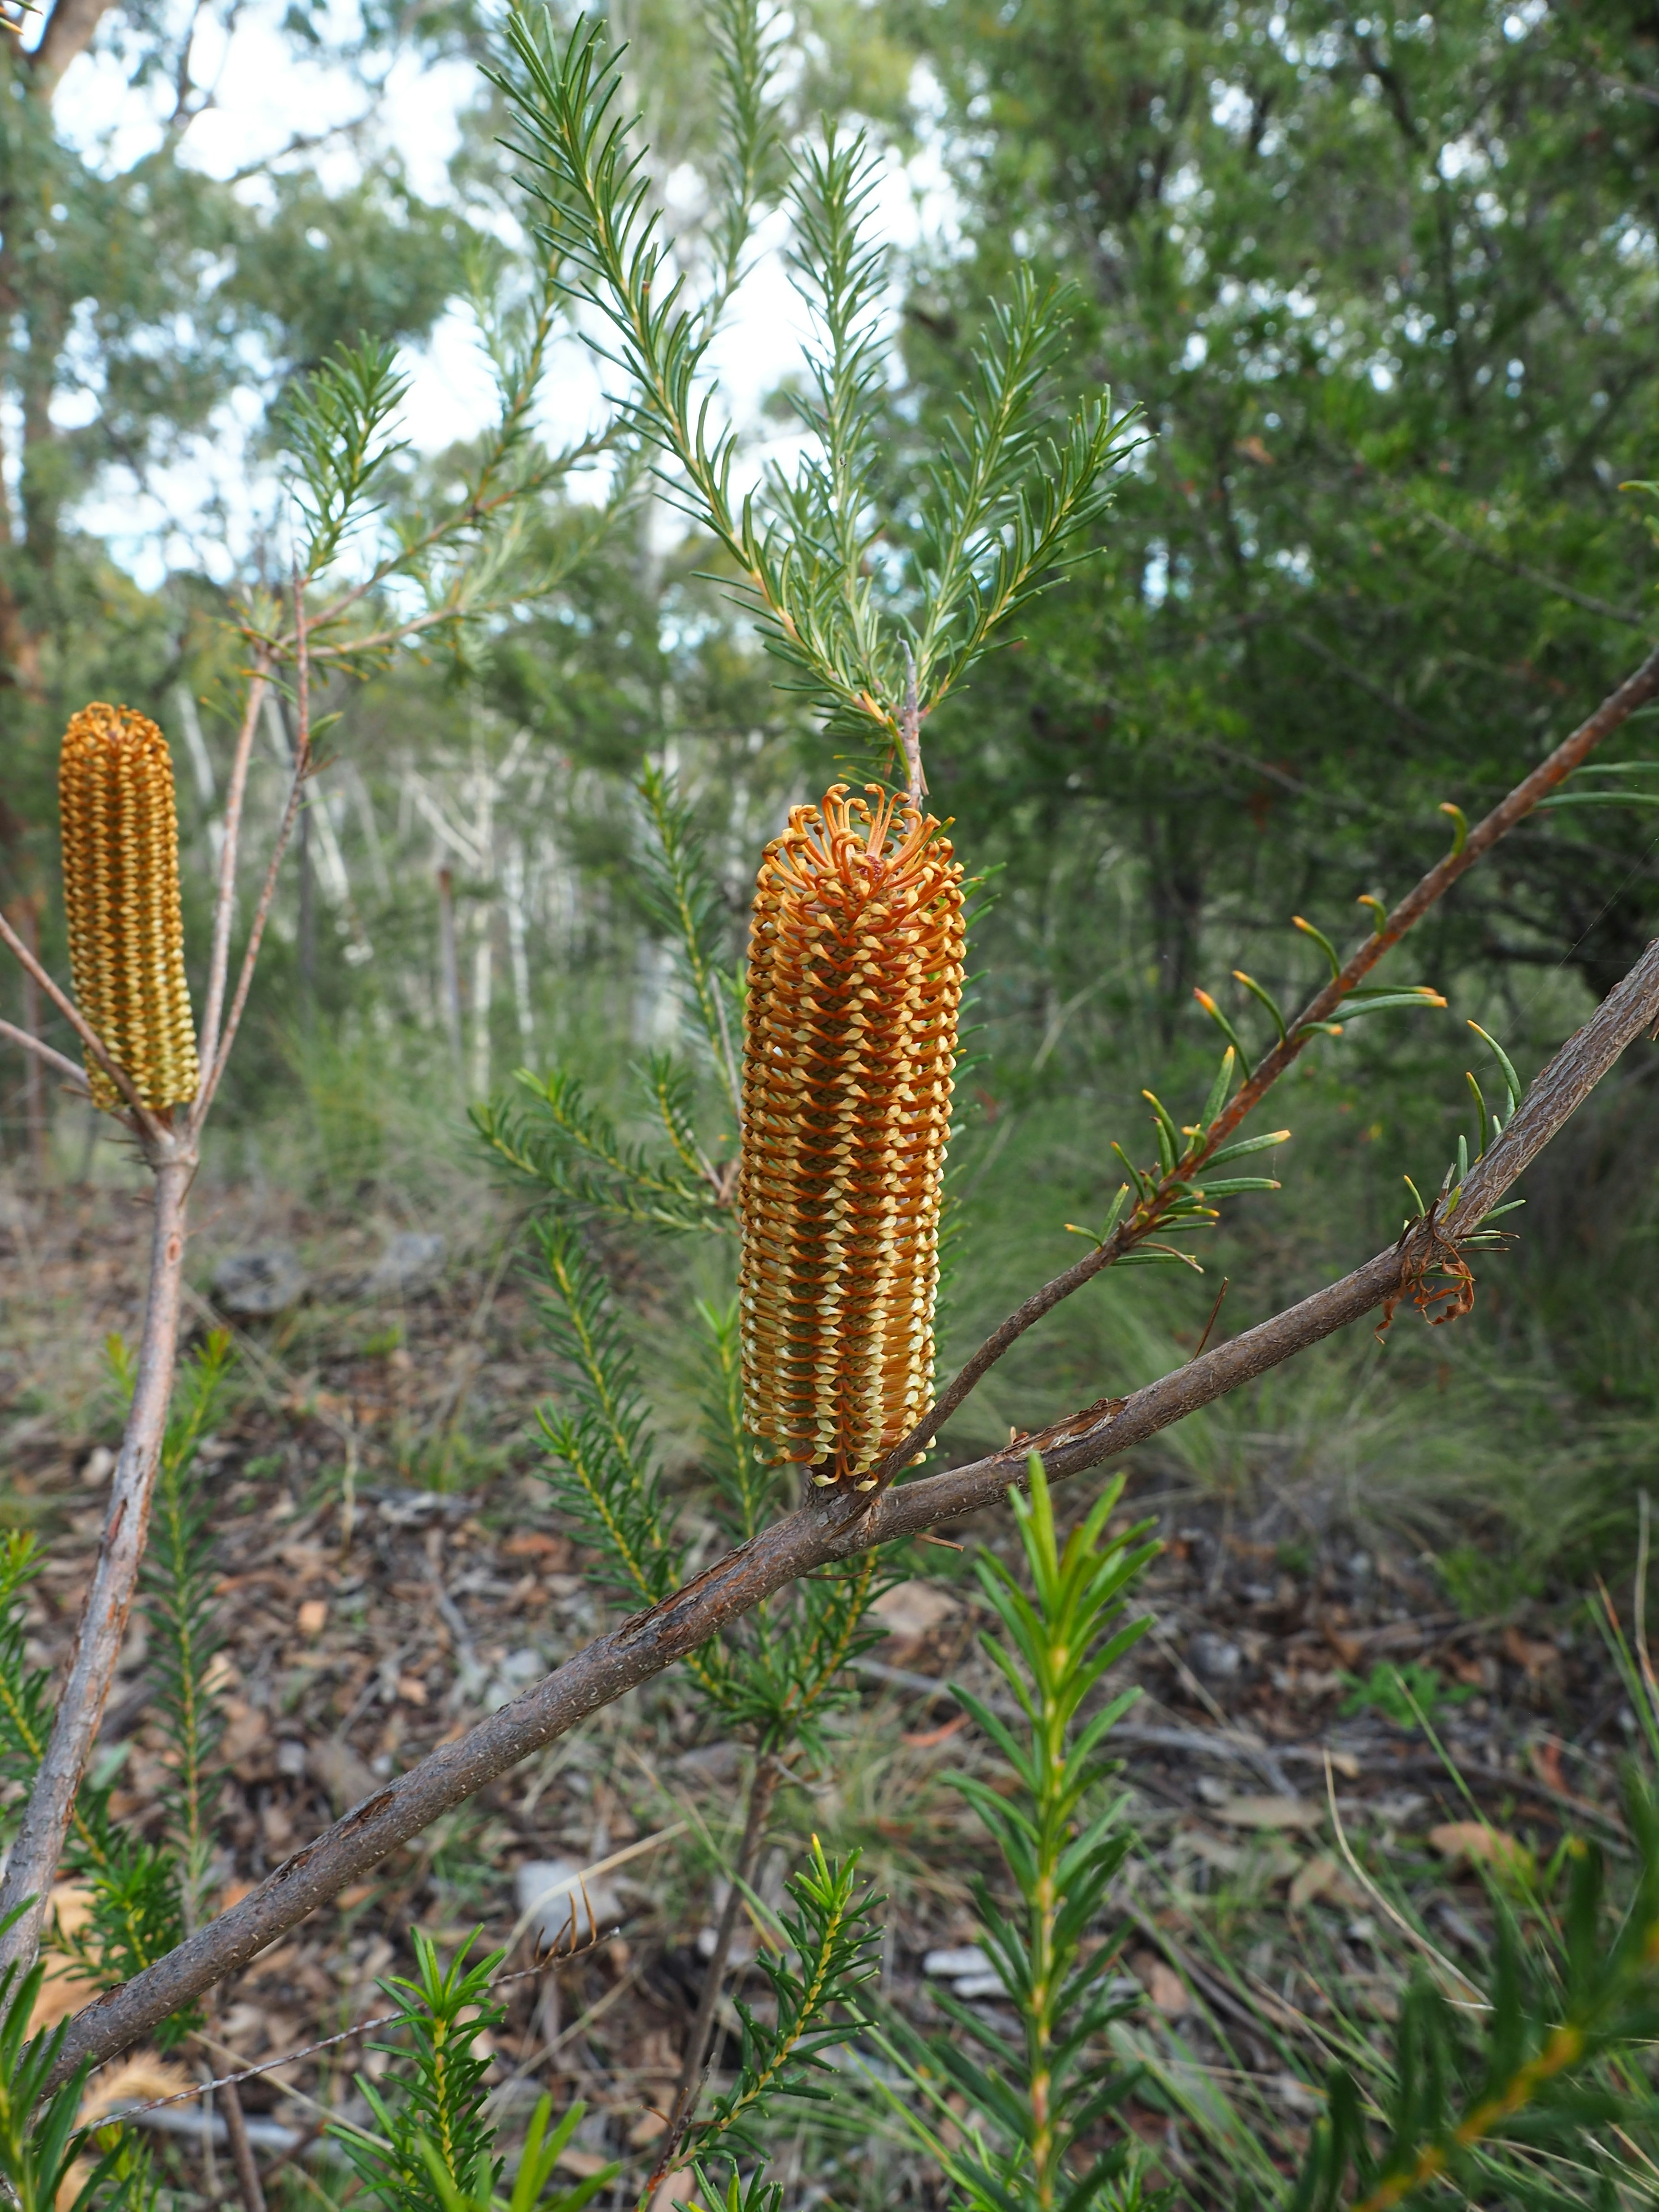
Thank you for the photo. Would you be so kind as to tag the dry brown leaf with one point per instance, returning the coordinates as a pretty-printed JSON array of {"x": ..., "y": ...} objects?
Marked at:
[
  {"x": 1324, "y": 1877},
  {"x": 1475, "y": 1840}
]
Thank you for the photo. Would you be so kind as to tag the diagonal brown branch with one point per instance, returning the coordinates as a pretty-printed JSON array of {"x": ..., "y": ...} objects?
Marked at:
[
  {"x": 64, "y": 1066},
  {"x": 142, "y": 1120},
  {"x": 224, "y": 902},
  {"x": 1617, "y": 708},
  {"x": 213, "y": 1070},
  {"x": 82, "y": 1693},
  {"x": 837, "y": 1529}
]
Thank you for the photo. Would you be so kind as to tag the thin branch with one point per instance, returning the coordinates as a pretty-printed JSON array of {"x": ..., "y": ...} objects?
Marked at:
[
  {"x": 215, "y": 1074},
  {"x": 761, "y": 1790},
  {"x": 146, "y": 1124},
  {"x": 224, "y": 904},
  {"x": 1634, "y": 618},
  {"x": 837, "y": 1528},
  {"x": 478, "y": 510},
  {"x": 910, "y": 733},
  {"x": 82, "y": 1690},
  {"x": 1635, "y": 691},
  {"x": 65, "y": 1067}
]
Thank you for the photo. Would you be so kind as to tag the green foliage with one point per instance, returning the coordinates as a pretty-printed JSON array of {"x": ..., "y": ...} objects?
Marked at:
[
  {"x": 431, "y": 2118},
  {"x": 1405, "y": 1694},
  {"x": 337, "y": 426},
  {"x": 1522, "y": 2071},
  {"x": 39, "y": 2143},
  {"x": 555, "y": 1143},
  {"x": 692, "y": 916},
  {"x": 1002, "y": 498},
  {"x": 25, "y": 1717},
  {"x": 600, "y": 1463},
  {"x": 1364, "y": 278},
  {"x": 827, "y": 1956},
  {"x": 537, "y": 2162},
  {"x": 1037, "y": 2107},
  {"x": 179, "y": 1586}
]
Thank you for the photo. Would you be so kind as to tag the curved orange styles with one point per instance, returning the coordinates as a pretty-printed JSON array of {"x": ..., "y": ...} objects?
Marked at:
[
  {"x": 126, "y": 937},
  {"x": 855, "y": 982}
]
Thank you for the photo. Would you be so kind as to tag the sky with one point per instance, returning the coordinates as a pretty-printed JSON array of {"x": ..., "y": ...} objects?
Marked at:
[{"x": 205, "y": 510}]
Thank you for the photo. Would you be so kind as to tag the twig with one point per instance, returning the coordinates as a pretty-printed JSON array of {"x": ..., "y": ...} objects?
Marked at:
[
  {"x": 761, "y": 1790},
  {"x": 65, "y": 1067},
  {"x": 224, "y": 902},
  {"x": 77, "y": 1021},
  {"x": 241, "y": 2150},
  {"x": 1633, "y": 617},
  {"x": 1412, "y": 1935},
  {"x": 214, "y": 1067},
  {"x": 815, "y": 1536},
  {"x": 84, "y": 1689},
  {"x": 910, "y": 733},
  {"x": 1617, "y": 708}
]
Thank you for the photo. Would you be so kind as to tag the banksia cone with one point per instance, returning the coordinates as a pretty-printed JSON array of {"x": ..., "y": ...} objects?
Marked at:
[
  {"x": 121, "y": 895},
  {"x": 854, "y": 980}
]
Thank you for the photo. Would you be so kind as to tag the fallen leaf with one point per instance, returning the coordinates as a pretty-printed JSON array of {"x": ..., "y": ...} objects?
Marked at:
[
  {"x": 584, "y": 2164},
  {"x": 536, "y": 1544},
  {"x": 925, "y": 1739},
  {"x": 1270, "y": 1812},
  {"x": 1532, "y": 1655},
  {"x": 645, "y": 2129},
  {"x": 1475, "y": 1840},
  {"x": 1161, "y": 1983},
  {"x": 1324, "y": 1877},
  {"x": 1546, "y": 1764},
  {"x": 411, "y": 1689},
  {"x": 343, "y": 1773},
  {"x": 312, "y": 1617},
  {"x": 1167, "y": 1990}
]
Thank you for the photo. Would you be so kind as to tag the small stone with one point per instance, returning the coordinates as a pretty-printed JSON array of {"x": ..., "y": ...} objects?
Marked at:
[
  {"x": 256, "y": 1284},
  {"x": 953, "y": 1965},
  {"x": 410, "y": 1263},
  {"x": 564, "y": 1906},
  {"x": 1214, "y": 1656}
]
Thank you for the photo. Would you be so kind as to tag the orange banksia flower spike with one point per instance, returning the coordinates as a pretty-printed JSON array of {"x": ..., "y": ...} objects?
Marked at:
[
  {"x": 854, "y": 983},
  {"x": 126, "y": 936}
]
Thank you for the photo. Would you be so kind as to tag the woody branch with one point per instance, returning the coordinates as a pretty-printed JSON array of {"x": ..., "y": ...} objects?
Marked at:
[
  {"x": 838, "y": 1528},
  {"x": 171, "y": 1144}
]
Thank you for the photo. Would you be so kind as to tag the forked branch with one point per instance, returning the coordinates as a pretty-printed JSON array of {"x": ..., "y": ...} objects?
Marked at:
[
  {"x": 836, "y": 1529},
  {"x": 1144, "y": 1218}
]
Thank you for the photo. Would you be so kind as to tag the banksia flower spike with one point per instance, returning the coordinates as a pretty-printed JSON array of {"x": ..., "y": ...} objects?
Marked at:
[
  {"x": 121, "y": 896},
  {"x": 854, "y": 981}
]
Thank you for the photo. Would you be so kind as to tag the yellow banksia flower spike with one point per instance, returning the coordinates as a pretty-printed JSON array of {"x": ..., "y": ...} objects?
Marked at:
[
  {"x": 120, "y": 837},
  {"x": 854, "y": 983}
]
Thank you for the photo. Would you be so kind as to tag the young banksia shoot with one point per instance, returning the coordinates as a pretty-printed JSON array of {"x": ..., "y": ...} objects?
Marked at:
[
  {"x": 855, "y": 982},
  {"x": 126, "y": 937}
]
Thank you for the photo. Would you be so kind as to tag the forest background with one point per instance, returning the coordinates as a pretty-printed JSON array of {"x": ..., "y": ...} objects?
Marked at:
[{"x": 1383, "y": 292}]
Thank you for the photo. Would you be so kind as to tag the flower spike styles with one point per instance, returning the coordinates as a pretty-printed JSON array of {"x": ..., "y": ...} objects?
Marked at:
[
  {"x": 854, "y": 982},
  {"x": 120, "y": 838}
]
